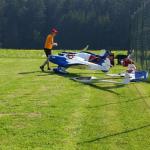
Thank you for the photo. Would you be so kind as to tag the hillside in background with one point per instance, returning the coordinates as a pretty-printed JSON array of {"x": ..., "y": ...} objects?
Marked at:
[{"x": 99, "y": 23}]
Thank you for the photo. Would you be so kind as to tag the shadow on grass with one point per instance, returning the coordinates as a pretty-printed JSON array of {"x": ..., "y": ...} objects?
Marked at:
[
  {"x": 34, "y": 72},
  {"x": 115, "y": 134},
  {"x": 71, "y": 75},
  {"x": 30, "y": 72},
  {"x": 99, "y": 87},
  {"x": 120, "y": 102},
  {"x": 148, "y": 81},
  {"x": 106, "y": 88}
]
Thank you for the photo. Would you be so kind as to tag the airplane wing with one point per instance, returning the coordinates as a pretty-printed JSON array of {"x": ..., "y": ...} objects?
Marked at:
[
  {"x": 136, "y": 76},
  {"x": 80, "y": 61},
  {"x": 90, "y": 80},
  {"x": 116, "y": 75},
  {"x": 91, "y": 66},
  {"x": 131, "y": 75}
]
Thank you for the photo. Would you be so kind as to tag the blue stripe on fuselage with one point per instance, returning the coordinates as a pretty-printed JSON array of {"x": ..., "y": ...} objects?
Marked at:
[{"x": 59, "y": 60}]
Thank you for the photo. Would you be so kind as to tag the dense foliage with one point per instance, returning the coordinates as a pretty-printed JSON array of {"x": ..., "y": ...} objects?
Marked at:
[{"x": 99, "y": 23}]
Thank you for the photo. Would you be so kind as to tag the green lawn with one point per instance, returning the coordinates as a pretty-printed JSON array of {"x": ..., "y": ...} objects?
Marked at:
[{"x": 45, "y": 111}]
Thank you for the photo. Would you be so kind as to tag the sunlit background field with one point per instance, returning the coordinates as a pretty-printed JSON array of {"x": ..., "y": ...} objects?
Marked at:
[{"x": 45, "y": 111}]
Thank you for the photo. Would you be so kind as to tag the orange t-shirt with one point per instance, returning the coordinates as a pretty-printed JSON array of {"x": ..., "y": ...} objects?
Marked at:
[{"x": 49, "y": 42}]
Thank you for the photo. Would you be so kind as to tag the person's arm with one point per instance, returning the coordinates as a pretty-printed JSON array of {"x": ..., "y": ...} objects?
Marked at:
[
  {"x": 51, "y": 41},
  {"x": 55, "y": 44}
]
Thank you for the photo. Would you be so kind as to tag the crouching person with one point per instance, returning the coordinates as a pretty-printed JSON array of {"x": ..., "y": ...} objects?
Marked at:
[{"x": 131, "y": 67}]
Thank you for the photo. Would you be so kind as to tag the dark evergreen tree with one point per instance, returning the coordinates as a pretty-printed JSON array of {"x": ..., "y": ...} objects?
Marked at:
[{"x": 99, "y": 23}]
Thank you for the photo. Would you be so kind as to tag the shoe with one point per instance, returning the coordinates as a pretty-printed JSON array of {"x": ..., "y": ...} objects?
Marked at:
[{"x": 42, "y": 68}]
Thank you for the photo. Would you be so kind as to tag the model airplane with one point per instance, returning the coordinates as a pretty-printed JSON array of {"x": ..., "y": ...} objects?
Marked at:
[
  {"x": 92, "y": 61},
  {"x": 90, "y": 80},
  {"x": 134, "y": 76}
]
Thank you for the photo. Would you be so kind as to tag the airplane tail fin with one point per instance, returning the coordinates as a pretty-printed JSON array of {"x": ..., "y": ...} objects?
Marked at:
[
  {"x": 85, "y": 48},
  {"x": 105, "y": 54},
  {"x": 139, "y": 75}
]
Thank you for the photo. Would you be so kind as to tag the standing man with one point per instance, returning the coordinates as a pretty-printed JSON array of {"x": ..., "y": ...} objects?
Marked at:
[{"x": 49, "y": 43}]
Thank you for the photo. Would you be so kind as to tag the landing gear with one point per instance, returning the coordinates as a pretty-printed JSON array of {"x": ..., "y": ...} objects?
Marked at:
[{"x": 60, "y": 70}]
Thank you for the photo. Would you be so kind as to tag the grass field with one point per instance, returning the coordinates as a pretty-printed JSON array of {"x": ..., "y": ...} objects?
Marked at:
[{"x": 45, "y": 111}]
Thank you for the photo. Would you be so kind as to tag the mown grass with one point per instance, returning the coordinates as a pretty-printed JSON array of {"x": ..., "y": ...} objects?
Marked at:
[{"x": 47, "y": 111}]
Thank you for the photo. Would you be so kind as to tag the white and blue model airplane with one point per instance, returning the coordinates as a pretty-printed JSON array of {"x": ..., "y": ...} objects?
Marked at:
[
  {"x": 92, "y": 61},
  {"x": 133, "y": 76}
]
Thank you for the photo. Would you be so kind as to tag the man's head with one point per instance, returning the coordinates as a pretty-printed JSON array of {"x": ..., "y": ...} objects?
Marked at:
[{"x": 54, "y": 31}]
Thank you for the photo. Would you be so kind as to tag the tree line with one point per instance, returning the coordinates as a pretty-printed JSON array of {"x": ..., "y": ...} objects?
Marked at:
[{"x": 98, "y": 23}]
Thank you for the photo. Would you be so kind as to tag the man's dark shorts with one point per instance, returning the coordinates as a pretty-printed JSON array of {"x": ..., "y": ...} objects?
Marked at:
[{"x": 47, "y": 51}]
